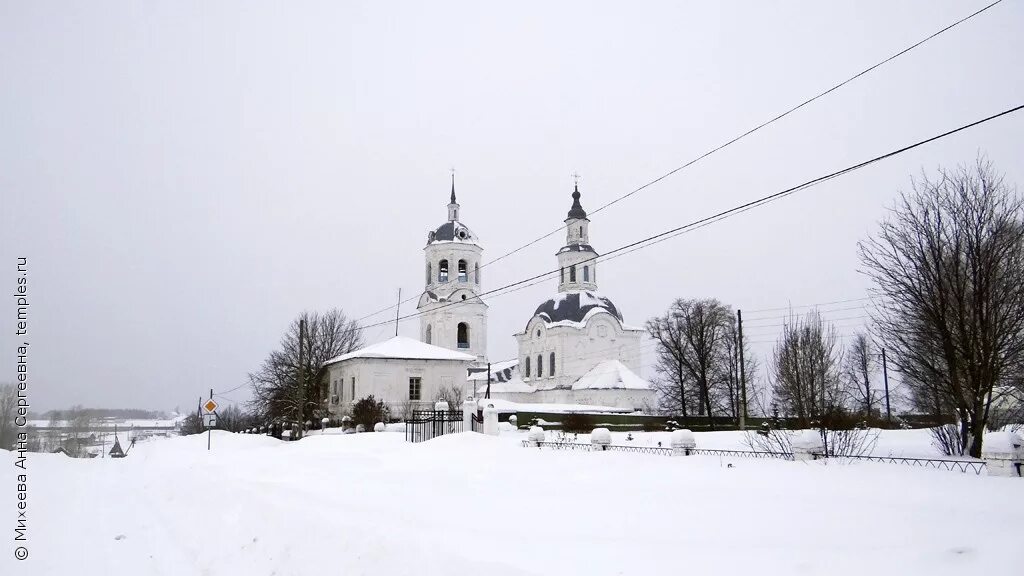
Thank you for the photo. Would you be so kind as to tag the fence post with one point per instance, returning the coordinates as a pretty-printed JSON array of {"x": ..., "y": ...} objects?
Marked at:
[
  {"x": 468, "y": 411},
  {"x": 1003, "y": 453},
  {"x": 683, "y": 442},
  {"x": 536, "y": 436},
  {"x": 601, "y": 437},
  {"x": 808, "y": 445},
  {"x": 491, "y": 420}
]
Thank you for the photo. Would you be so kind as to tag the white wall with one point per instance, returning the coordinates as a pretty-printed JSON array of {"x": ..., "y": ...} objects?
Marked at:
[
  {"x": 388, "y": 380},
  {"x": 576, "y": 350},
  {"x": 444, "y": 319}
]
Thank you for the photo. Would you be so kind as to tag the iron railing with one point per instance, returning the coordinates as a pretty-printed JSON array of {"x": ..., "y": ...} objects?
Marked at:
[
  {"x": 964, "y": 466},
  {"x": 743, "y": 453},
  {"x": 427, "y": 424}
]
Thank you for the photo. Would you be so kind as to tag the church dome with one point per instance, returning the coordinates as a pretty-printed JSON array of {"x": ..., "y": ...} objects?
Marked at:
[
  {"x": 452, "y": 232},
  {"x": 575, "y": 307}
]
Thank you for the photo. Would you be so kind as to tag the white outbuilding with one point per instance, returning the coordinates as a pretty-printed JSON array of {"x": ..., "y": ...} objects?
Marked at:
[{"x": 403, "y": 372}]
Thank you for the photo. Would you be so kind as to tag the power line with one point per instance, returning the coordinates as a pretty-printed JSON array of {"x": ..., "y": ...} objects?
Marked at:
[
  {"x": 810, "y": 305},
  {"x": 673, "y": 232},
  {"x": 726, "y": 144}
]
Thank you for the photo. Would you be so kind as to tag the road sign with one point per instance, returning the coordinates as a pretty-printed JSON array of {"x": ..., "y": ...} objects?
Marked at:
[
  {"x": 210, "y": 420},
  {"x": 210, "y": 406}
]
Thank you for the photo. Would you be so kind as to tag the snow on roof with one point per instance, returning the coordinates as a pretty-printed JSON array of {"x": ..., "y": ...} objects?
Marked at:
[
  {"x": 611, "y": 375},
  {"x": 516, "y": 384},
  {"x": 500, "y": 371},
  {"x": 404, "y": 348}
]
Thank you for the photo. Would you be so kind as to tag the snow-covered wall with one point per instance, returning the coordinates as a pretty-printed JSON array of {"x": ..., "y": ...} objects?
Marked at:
[{"x": 388, "y": 380}]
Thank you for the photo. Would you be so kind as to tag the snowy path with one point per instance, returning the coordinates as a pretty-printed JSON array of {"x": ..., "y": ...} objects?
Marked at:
[{"x": 468, "y": 504}]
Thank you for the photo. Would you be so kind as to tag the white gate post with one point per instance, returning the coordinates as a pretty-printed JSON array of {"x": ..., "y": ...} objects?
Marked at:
[
  {"x": 468, "y": 411},
  {"x": 491, "y": 420}
]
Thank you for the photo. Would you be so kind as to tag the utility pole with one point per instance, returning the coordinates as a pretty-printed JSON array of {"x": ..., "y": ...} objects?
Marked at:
[
  {"x": 209, "y": 430},
  {"x": 302, "y": 380},
  {"x": 487, "y": 395},
  {"x": 885, "y": 378},
  {"x": 743, "y": 373},
  {"x": 399, "y": 307}
]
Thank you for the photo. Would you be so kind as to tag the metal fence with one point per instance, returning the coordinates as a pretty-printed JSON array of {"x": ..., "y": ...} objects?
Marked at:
[
  {"x": 964, "y": 466},
  {"x": 427, "y": 424}
]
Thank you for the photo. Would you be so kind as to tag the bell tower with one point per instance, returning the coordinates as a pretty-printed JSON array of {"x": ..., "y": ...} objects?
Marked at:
[
  {"x": 452, "y": 315},
  {"x": 577, "y": 260}
]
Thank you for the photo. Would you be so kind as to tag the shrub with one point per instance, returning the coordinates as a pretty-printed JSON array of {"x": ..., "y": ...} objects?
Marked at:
[
  {"x": 577, "y": 423},
  {"x": 368, "y": 411}
]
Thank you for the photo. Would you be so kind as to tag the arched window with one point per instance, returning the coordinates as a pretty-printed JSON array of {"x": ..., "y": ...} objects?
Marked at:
[
  {"x": 442, "y": 271},
  {"x": 551, "y": 364},
  {"x": 586, "y": 273},
  {"x": 540, "y": 365},
  {"x": 462, "y": 271},
  {"x": 527, "y": 366},
  {"x": 430, "y": 333},
  {"x": 562, "y": 279},
  {"x": 430, "y": 273},
  {"x": 581, "y": 231},
  {"x": 476, "y": 272},
  {"x": 463, "y": 335},
  {"x": 572, "y": 273}
]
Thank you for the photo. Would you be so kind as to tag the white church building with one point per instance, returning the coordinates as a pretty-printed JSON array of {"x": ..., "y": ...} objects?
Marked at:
[{"x": 574, "y": 349}]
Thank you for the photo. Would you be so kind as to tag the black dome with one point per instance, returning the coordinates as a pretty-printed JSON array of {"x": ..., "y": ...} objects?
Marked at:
[
  {"x": 574, "y": 306},
  {"x": 451, "y": 231}
]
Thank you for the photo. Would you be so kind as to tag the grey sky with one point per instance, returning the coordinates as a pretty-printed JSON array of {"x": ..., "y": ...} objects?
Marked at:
[{"x": 185, "y": 177}]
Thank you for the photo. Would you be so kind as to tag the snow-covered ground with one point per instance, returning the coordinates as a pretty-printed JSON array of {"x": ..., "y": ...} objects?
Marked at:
[{"x": 470, "y": 504}]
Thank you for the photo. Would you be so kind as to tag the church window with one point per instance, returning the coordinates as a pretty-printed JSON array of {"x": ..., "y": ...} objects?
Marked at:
[
  {"x": 563, "y": 274},
  {"x": 572, "y": 273},
  {"x": 415, "y": 388},
  {"x": 527, "y": 366},
  {"x": 476, "y": 272},
  {"x": 442, "y": 271},
  {"x": 551, "y": 364},
  {"x": 540, "y": 365},
  {"x": 581, "y": 231},
  {"x": 430, "y": 274},
  {"x": 462, "y": 271},
  {"x": 586, "y": 273},
  {"x": 463, "y": 296},
  {"x": 430, "y": 331},
  {"x": 353, "y": 389},
  {"x": 463, "y": 335}
]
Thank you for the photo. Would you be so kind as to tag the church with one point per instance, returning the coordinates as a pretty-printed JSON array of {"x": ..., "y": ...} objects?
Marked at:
[{"x": 574, "y": 349}]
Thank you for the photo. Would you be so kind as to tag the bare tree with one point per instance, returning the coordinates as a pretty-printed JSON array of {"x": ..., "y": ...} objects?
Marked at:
[
  {"x": 8, "y": 412},
  {"x": 859, "y": 369},
  {"x": 804, "y": 370},
  {"x": 277, "y": 385},
  {"x": 730, "y": 399},
  {"x": 948, "y": 268},
  {"x": 451, "y": 395},
  {"x": 692, "y": 349}
]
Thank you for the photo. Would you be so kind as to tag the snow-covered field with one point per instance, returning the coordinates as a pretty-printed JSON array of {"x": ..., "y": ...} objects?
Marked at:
[{"x": 471, "y": 504}]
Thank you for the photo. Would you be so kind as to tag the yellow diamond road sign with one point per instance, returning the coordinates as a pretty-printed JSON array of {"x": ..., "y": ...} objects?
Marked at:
[{"x": 210, "y": 406}]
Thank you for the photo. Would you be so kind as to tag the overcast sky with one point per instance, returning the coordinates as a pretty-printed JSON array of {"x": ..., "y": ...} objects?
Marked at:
[{"x": 186, "y": 177}]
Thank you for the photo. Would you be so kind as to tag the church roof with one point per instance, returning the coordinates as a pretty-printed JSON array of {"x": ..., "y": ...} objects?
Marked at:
[
  {"x": 575, "y": 307},
  {"x": 577, "y": 211},
  {"x": 611, "y": 375},
  {"x": 403, "y": 348},
  {"x": 452, "y": 232},
  {"x": 576, "y": 248}
]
